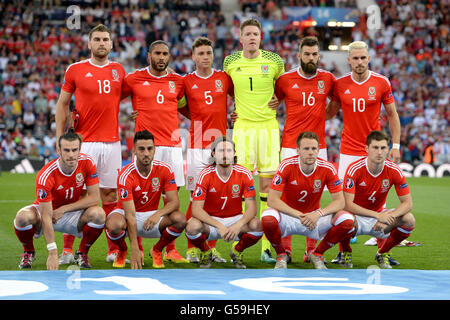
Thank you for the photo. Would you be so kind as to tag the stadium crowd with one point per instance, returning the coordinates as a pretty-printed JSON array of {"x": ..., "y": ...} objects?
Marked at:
[{"x": 36, "y": 46}]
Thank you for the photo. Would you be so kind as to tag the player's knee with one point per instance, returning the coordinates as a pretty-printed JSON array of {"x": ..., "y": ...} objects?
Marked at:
[
  {"x": 270, "y": 213},
  {"x": 178, "y": 220},
  {"x": 95, "y": 215},
  {"x": 115, "y": 225},
  {"x": 343, "y": 217},
  {"x": 255, "y": 225},
  {"x": 193, "y": 226},
  {"x": 23, "y": 218},
  {"x": 408, "y": 220}
]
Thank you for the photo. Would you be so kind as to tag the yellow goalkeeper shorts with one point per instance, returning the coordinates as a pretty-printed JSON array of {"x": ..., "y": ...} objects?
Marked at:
[{"x": 257, "y": 143}]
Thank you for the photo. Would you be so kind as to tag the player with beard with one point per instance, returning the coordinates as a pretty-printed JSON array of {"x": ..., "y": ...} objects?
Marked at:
[
  {"x": 305, "y": 91},
  {"x": 155, "y": 94},
  {"x": 141, "y": 184},
  {"x": 217, "y": 205},
  {"x": 97, "y": 86},
  {"x": 61, "y": 206},
  {"x": 360, "y": 94}
]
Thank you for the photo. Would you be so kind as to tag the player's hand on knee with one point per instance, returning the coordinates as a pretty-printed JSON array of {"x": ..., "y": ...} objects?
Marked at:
[
  {"x": 57, "y": 214},
  {"x": 151, "y": 222},
  {"x": 379, "y": 226}
]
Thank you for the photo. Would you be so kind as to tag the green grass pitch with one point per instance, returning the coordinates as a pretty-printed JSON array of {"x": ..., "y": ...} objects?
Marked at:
[{"x": 431, "y": 198}]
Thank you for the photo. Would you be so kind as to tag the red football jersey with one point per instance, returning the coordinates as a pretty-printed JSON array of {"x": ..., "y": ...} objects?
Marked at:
[
  {"x": 145, "y": 192},
  {"x": 156, "y": 100},
  {"x": 371, "y": 191},
  {"x": 54, "y": 185},
  {"x": 303, "y": 192},
  {"x": 98, "y": 91},
  {"x": 361, "y": 105},
  {"x": 306, "y": 102},
  {"x": 224, "y": 198},
  {"x": 207, "y": 102}
]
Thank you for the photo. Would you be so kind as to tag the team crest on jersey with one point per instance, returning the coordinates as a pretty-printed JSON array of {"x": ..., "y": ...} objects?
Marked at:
[
  {"x": 321, "y": 87},
  {"x": 42, "y": 194},
  {"x": 235, "y": 190},
  {"x": 385, "y": 185},
  {"x": 115, "y": 75},
  {"x": 155, "y": 184},
  {"x": 123, "y": 193},
  {"x": 219, "y": 85},
  {"x": 172, "y": 87},
  {"x": 317, "y": 185},
  {"x": 372, "y": 93},
  {"x": 79, "y": 178},
  {"x": 264, "y": 68}
]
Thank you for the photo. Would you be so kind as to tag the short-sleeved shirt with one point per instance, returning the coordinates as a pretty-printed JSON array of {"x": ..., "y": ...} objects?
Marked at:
[
  {"x": 207, "y": 103},
  {"x": 145, "y": 192},
  {"x": 52, "y": 184},
  {"x": 306, "y": 102},
  {"x": 371, "y": 191},
  {"x": 98, "y": 91},
  {"x": 156, "y": 100},
  {"x": 361, "y": 106},
  {"x": 254, "y": 82},
  {"x": 303, "y": 191},
  {"x": 223, "y": 198}
]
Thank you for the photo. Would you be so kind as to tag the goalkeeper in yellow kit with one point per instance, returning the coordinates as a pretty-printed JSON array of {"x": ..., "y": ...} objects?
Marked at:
[{"x": 256, "y": 132}]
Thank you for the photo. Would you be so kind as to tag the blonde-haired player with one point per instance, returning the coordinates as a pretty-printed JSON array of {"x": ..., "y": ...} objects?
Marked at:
[{"x": 360, "y": 95}]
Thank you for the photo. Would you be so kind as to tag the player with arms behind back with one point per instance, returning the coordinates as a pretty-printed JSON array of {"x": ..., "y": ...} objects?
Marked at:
[
  {"x": 60, "y": 206},
  {"x": 360, "y": 94},
  {"x": 305, "y": 91},
  {"x": 96, "y": 84},
  {"x": 217, "y": 205},
  {"x": 366, "y": 186},
  {"x": 206, "y": 95},
  {"x": 155, "y": 94},
  {"x": 256, "y": 131}
]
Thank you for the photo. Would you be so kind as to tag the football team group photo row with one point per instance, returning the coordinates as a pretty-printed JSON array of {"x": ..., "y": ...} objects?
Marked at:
[{"x": 87, "y": 191}]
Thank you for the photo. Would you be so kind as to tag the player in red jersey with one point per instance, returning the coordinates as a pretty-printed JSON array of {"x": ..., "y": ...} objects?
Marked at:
[
  {"x": 60, "y": 206},
  {"x": 305, "y": 91},
  {"x": 141, "y": 184},
  {"x": 206, "y": 95},
  {"x": 217, "y": 205},
  {"x": 366, "y": 185},
  {"x": 155, "y": 94},
  {"x": 294, "y": 202},
  {"x": 360, "y": 95},
  {"x": 96, "y": 84}
]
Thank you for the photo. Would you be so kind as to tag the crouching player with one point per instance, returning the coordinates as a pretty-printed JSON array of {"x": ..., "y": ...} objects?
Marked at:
[
  {"x": 217, "y": 205},
  {"x": 366, "y": 185},
  {"x": 140, "y": 186},
  {"x": 294, "y": 203},
  {"x": 60, "y": 207}
]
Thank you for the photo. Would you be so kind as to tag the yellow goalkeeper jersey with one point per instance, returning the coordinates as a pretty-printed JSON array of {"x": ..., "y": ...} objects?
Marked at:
[{"x": 254, "y": 81}]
